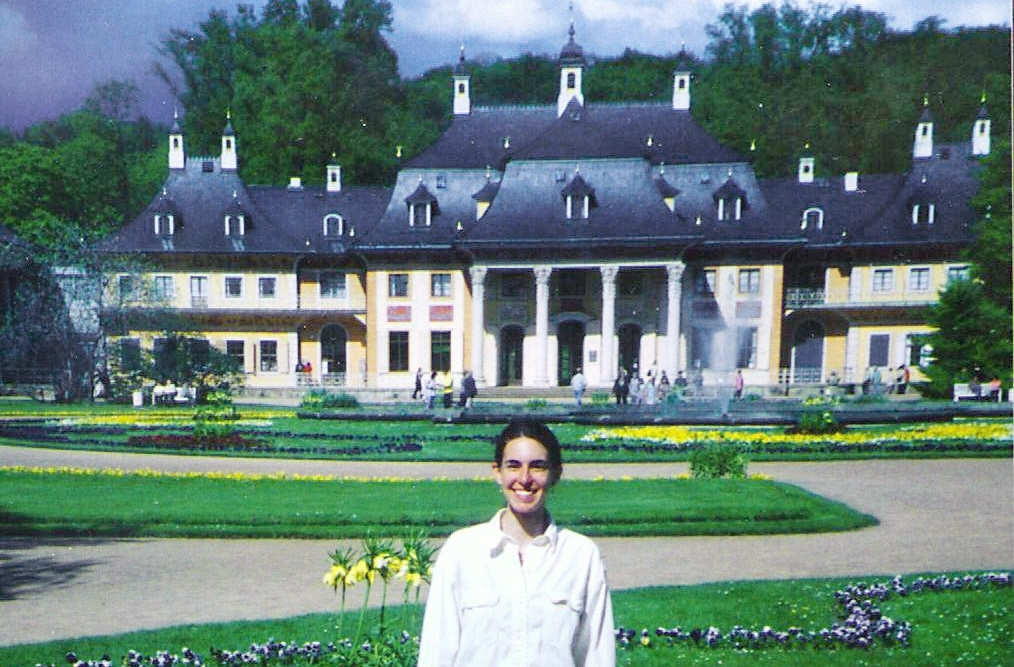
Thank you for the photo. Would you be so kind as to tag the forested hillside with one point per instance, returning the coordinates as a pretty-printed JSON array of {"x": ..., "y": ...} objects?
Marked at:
[{"x": 305, "y": 80}]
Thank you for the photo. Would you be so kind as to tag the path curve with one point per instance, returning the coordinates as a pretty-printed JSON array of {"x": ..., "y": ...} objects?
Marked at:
[{"x": 935, "y": 515}]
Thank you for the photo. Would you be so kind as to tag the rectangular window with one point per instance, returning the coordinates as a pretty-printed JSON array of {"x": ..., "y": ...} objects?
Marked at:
[
  {"x": 957, "y": 273},
  {"x": 440, "y": 350},
  {"x": 127, "y": 288},
  {"x": 266, "y": 287},
  {"x": 440, "y": 284},
  {"x": 883, "y": 280},
  {"x": 704, "y": 282},
  {"x": 163, "y": 287},
  {"x": 269, "y": 356},
  {"x": 397, "y": 285},
  {"x": 513, "y": 285},
  {"x": 198, "y": 291},
  {"x": 918, "y": 279},
  {"x": 746, "y": 347},
  {"x": 749, "y": 281},
  {"x": 236, "y": 350},
  {"x": 233, "y": 287},
  {"x": 397, "y": 351},
  {"x": 332, "y": 285},
  {"x": 879, "y": 346},
  {"x": 701, "y": 348}
]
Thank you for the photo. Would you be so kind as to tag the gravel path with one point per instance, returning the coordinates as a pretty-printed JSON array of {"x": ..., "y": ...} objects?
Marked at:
[{"x": 935, "y": 515}]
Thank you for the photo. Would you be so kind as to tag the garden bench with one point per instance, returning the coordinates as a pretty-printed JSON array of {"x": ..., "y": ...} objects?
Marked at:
[{"x": 988, "y": 391}]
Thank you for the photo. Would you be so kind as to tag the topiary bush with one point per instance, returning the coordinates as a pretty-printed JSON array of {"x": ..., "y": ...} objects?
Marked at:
[
  {"x": 318, "y": 399},
  {"x": 718, "y": 461}
]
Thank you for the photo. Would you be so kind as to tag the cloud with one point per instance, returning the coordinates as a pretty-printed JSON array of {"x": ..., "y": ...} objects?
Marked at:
[
  {"x": 494, "y": 22},
  {"x": 16, "y": 37}
]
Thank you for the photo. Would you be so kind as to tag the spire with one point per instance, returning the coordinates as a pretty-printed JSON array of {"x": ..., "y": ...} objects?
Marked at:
[
  {"x": 981, "y": 129},
  {"x": 462, "y": 103},
  {"x": 229, "y": 156},
  {"x": 572, "y": 64},
  {"x": 681, "y": 81},
  {"x": 177, "y": 156},
  {"x": 923, "y": 146}
]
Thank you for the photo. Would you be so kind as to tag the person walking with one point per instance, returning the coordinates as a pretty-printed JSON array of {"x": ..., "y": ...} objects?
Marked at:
[
  {"x": 468, "y": 390},
  {"x": 417, "y": 392},
  {"x": 578, "y": 385},
  {"x": 518, "y": 589},
  {"x": 737, "y": 384},
  {"x": 431, "y": 391},
  {"x": 448, "y": 384}
]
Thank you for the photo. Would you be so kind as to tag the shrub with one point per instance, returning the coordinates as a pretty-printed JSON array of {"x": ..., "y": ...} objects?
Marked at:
[
  {"x": 600, "y": 398},
  {"x": 817, "y": 422},
  {"x": 536, "y": 404},
  {"x": 323, "y": 399},
  {"x": 718, "y": 461}
]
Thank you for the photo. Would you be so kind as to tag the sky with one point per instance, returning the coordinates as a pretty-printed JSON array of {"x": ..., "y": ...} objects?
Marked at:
[{"x": 54, "y": 52}]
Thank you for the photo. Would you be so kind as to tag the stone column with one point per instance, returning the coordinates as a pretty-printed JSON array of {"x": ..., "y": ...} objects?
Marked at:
[
  {"x": 478, "y": 275},
  {"x": 542, "y": 274},
  {"x": 674, "y": 296},
  {"x": 607, "y": 364}
]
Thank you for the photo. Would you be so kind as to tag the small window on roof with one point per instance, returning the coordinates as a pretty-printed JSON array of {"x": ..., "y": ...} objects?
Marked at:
[
  {"x": 207, "y": 166},
  {"x": 813, "y": 219},
  {"x": 165, "y": 225},
  {"x": 235, "y": 225},
  {"x": 334, "y": 225}
]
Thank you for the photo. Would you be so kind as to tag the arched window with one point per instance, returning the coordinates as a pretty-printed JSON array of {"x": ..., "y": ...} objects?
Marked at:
[
  {"x": 235, "y": 225},
  {"x": 923, "y": 214},
  {"x": 813, "y": 219},
  {"x": 334, "y": 225}
]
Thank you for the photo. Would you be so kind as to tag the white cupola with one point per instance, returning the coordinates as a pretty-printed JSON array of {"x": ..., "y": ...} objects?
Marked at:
[
  {"x": 229, "y": 158},
  {"x": 334, "y": 175},
  {"x": 681, "y": 82},
  {"x": 462, "y": 87},
  {"x": 806, "y": 164},
  {"x": 923, "y": 146},
  {"x": 981, "y": 130},
  {"x": 177, "y": 156},
  {"x": 572, "y": 64}
]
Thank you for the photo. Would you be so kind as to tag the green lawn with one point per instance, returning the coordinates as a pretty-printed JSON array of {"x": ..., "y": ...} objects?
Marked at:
[
  {"x": 61, "y": 503},
  {"x": 951, "y": 627}
]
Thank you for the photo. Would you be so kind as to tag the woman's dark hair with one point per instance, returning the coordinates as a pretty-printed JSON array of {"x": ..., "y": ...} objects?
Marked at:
[{"x": 527, "y": 427}]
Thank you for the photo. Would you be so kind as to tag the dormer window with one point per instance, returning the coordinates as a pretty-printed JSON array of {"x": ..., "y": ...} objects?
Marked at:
[
  {"x": 334, "y": 225},
  {"x": 923, "y": 213},
  {"x": 235, "y": 225},
  {"x": 813, "y": 219},
  {"x": 422, "y": 207},
  {"x": 165, "y": 225},
  {"x": 579, "y": 199},
  {"x": 730, "y": 200},
  {"x": 730, "y": 208}
]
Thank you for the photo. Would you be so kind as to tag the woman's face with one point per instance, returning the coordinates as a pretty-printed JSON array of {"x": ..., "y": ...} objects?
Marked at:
[{"x": 524, "y": 475}]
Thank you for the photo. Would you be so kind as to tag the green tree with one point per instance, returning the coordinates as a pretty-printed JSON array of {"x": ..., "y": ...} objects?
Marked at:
[{"x": 973, "y": 317}]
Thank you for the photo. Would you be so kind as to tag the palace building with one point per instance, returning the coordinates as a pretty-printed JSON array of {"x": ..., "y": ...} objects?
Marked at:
[{"x": 527, "y": 242}]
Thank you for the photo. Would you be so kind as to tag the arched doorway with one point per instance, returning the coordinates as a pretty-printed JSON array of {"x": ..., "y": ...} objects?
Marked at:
[
  {"x": 570, "y": 342},
  {"x": 512, "y": 362},
  {"x": 630, "y": 347},
  {"x": 807, "y": 352},
  {"x": 332, "y": 351}
]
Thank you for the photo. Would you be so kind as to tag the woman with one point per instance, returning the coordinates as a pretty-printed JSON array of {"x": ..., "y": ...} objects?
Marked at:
[{"x": 518, "y": 590}]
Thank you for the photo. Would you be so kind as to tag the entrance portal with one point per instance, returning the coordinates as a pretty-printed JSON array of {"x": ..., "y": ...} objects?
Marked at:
[
  {"x": 512, "y": 343},
  {"x": 570, "y": 339},
  {"x": 630, "y": 347}
]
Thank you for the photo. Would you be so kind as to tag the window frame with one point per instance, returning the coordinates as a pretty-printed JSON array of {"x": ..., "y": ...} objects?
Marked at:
[
  {"x": 704, "y": 282},
  {"x": 267, "y": 362},
  {"x": 232, "y": 280},
  {"x": 340, "y": 290},
  {"x": 397, "y": 286},
  {"x": 748, "y": 281},
  {"x": 919, "y": 279},
  {"x": 240, "y": 356},
  {"x": 397, "y": 351},
  {"x": 163, "y": 287},
  {"x": 440, "y": 350},
  {"x": 441, "y": 285},
  {"x": 882, "y": 281},
  {"x": 262, "y": 281}
]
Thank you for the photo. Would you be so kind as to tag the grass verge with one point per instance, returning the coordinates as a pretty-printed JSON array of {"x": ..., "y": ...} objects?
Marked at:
[
  {"x": 95, "y": 503},
  {"x": 950, "y": 627}
]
